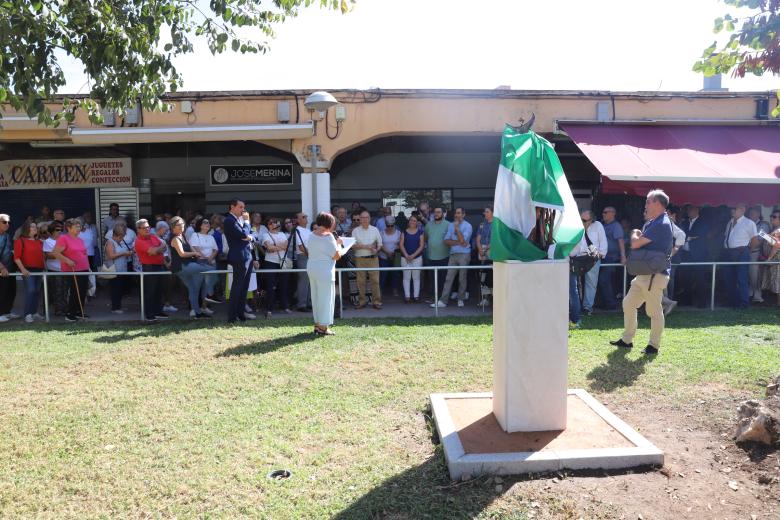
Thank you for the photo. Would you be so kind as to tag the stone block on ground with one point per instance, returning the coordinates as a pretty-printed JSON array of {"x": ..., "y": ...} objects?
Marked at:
[{"x": 759, "y": 421}]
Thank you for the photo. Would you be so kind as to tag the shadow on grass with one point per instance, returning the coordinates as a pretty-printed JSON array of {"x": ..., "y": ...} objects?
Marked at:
[
  {"x": 263, "y": 347},
  {"x": 617, "y": 372},
  {"x": 688, "y": 318},
  {"x": 424, "y": 491},
  {"x": 118, "y": 331}
]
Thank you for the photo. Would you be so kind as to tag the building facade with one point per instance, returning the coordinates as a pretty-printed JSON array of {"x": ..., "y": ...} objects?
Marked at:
[{"x": 377, "y": 147}]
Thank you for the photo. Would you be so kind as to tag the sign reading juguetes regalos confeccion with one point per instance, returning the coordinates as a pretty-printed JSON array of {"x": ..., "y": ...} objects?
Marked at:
[{"x": 31, "y": 174}]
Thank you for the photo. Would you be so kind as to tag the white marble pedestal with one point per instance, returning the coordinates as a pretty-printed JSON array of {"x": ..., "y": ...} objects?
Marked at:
[
  {"x": 530, "y": 344},
  {"x": 528, "y": 430}
]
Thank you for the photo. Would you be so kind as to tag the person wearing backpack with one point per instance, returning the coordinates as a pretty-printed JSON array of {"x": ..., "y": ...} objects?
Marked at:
[{"x": 650, "y": 261}]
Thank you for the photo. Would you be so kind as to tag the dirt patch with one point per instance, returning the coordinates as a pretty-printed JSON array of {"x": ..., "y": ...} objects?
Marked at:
[{"x": 705, "y": 476}]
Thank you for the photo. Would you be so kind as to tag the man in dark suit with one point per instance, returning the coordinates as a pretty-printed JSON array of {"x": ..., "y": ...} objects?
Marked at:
[
  {"x": 239, "y": 239},
  {"x": 696, "y": 250}
]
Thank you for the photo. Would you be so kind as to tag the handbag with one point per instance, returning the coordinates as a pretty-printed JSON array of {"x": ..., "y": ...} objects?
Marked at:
[
  {"x": 105, "y": 272},
  {"x": 583, "y": 263},
  {"x": 642, "y": 261}
]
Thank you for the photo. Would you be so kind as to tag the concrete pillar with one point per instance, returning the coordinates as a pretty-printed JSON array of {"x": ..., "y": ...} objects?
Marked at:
[
  {"x": 530, "y": 344},
  {"x": 322, "y": 197},
  {"x": 307, "y": 194}
]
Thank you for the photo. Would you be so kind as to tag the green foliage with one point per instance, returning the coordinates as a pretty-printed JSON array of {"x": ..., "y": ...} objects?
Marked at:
[
  {"x": 127, "y": 47},
  {"x": 753, "y": 45}
]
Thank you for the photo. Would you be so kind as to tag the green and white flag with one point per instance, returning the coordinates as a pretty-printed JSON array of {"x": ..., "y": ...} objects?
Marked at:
[{"x": 530, "y": 175}]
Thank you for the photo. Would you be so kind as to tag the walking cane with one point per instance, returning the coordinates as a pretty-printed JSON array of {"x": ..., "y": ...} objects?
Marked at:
[{"x": 78, "y": 294}]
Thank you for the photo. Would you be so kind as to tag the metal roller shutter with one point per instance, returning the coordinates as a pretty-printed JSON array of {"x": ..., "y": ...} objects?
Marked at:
[{"x": 127, "y": 198}]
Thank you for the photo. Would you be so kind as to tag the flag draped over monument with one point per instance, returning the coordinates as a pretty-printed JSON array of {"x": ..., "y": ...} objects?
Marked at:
[{"x": 530, "y": 175}]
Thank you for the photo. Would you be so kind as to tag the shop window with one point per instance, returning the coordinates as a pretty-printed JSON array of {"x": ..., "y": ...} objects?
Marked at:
[{"x": 408, "y": 200}]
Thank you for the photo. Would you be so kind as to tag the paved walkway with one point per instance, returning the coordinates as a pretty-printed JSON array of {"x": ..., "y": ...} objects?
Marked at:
[{"x": 98, "y": 309}]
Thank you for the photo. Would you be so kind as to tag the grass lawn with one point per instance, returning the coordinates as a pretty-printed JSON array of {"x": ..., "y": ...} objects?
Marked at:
[{"x": 186, "y": 419}]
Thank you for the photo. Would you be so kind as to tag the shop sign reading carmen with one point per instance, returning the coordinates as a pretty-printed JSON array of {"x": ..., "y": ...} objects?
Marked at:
[{"x": 65, "y": 173}]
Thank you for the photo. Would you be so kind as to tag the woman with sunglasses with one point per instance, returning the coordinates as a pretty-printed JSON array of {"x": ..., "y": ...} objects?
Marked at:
[
  {"x": 185, "y": 266},
  {"x": 276, "y": 257},
  {"x": 771, "y": 276},
  {"x": 204, "y": 243}
]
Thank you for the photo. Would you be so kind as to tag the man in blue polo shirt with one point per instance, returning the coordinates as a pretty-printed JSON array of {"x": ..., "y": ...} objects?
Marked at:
[
  {"x": 649, "y": 289},
  {"x": 458, "y": 238}
]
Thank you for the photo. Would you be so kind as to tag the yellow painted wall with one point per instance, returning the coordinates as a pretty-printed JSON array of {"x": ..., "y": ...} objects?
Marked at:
[{"x": 429, "y": 112}]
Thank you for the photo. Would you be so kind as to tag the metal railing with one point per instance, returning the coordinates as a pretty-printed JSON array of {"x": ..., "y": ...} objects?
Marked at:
[{"x": 341, "y": 270}]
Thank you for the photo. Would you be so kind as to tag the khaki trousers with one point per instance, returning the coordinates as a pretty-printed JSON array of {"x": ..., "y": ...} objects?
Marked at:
[
  {"x": 639, "y": 293},
  {"x": 373, "y": 277}
]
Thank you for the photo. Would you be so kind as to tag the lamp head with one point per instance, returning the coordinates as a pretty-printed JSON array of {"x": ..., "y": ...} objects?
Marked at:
[{"x": 319, "y": 101}]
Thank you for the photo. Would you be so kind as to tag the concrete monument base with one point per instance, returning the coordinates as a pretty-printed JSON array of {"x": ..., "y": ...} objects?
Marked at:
[{"x": 476, "y": 444}]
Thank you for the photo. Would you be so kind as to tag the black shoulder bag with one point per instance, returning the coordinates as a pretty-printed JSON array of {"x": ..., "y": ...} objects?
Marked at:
[{"x": 583, "y": 263}]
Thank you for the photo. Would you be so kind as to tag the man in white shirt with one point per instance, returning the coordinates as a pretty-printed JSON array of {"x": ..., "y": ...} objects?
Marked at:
[
  {"x": 594, "y": 232},
  {"x": 110, "y": 220},
  {"x": 368, "y": 241},
  {"x": 678, "y": 237},
  {"x": 130, "y": 235},
  {"x": 299, "y": 250},
  {"x": 739, "y": 236}
]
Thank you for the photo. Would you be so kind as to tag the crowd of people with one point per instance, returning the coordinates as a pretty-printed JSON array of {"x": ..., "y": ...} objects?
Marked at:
[
  {"x": 699, "y": 235},
  {"x": 187, "y": 245}
]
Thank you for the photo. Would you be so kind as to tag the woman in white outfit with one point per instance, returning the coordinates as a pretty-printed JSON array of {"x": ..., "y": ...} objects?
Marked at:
[{"x": 321, "y": 268}]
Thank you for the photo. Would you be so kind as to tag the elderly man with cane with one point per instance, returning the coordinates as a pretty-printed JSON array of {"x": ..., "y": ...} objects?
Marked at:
[{"x": 655, "y": 240}]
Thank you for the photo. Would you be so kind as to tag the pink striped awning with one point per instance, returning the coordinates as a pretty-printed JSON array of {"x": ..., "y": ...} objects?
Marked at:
[{"x": 698, "y": 164}]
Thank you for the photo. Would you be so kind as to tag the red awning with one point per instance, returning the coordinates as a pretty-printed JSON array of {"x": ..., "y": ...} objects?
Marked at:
[{"x": 693, "y": 163}]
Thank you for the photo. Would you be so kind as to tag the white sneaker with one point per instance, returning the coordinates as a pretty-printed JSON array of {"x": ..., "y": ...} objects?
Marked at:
[
  {"x": 118, "y": 311},
  {"x": 440, "y": 304},
  {"x": 3, "y": 319},
  {"x": 249, "y": 316},
  {"x": 248, "y": 309},
  {"x": 484, "y": 302},
  {"x": 192, "y": 314},
  {"x": 460, "y": 303},
  {"x": 38, "y": 316},
  {"x": 29, "y": 318},
  {"x": 207, "y": 311},
  {"x": 170, "y": 308},
  {"x": 12, "y": 316}
]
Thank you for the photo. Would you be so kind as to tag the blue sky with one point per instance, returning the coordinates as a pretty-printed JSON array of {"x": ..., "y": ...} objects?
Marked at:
[{"x": 560, "y": 45}]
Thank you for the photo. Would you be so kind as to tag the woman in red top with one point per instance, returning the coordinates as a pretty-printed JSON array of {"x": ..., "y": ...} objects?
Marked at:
[
  {"x": 72, "y": 253},
  {"x": 28, "y": 256}
]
